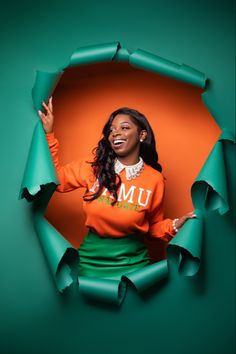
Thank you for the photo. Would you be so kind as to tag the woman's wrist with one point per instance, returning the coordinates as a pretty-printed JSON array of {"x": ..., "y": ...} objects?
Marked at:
[{"x": 174, "y": 225}]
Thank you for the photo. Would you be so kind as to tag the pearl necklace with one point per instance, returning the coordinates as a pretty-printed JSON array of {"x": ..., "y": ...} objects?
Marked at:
[{"x": 132, "y": 171}]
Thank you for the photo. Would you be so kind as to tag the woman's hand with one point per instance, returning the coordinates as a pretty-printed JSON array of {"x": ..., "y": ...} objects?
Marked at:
[
  {"x": 47, "y": 118},
  {"x": 179, "y": 222}
]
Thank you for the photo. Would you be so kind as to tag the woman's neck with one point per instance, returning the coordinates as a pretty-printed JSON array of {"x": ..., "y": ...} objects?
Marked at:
[{"x": 128, "y": 160}]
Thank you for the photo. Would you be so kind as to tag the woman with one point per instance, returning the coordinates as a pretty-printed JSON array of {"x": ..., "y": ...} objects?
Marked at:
[{"x": 123, "y": 200}]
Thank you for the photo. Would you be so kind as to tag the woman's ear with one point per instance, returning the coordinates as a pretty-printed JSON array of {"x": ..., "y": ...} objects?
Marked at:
[{"x": 142, "y": 135}]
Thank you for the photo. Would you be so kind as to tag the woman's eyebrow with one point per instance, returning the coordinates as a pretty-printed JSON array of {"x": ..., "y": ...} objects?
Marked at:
[{"x": 112, "y": 125}]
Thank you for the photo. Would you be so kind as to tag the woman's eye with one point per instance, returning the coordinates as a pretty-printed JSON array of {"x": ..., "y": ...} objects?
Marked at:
[{"x": 121, "y": 128}]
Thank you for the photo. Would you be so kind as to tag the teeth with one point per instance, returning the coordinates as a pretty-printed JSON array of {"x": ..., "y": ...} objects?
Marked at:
[{"x": 118, "y": 141}]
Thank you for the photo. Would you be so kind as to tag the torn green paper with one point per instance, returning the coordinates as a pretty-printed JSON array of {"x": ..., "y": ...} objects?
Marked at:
[
  {"x": 148, "y": 276},
  {"x": 122, "y": 55},
  {"x": 39, "y": 168},
  {"x": 113, "y": 291},
  {"x": 187, "y": 245},
  {"x": 106, "y": 290},
  {"x": 62, "y": 258},
  {"x": 94, "y": 54},
  {"x": 45, "y": 84},
  {"x": 228, "y": 136},
  {"x": 209, "y": 191},
  {"x": 40, "y": 175},
  {"x": 150, "y": 62}
]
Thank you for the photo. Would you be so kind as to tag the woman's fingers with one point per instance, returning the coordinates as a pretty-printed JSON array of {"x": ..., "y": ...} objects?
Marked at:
[
  {"x": 50, "y": 104},
  {"x": 180, "y": 221},
  {"x": 191, "y": 215},
  {"x": 47, "y": 117},
  {"x": 46, "y": 107},
  {"x": 42, "y": 117}
]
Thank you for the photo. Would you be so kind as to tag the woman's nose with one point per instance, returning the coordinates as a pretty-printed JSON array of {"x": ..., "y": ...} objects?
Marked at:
[{"x": 115, "y": 132}]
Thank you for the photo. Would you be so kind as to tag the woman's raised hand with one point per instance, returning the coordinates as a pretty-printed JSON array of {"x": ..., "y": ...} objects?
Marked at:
[
  {"x": 47, "y": 118},
  {"x": 179, "y": 222}
]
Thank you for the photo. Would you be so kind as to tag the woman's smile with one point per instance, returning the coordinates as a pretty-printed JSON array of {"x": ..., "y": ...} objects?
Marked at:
[{"x": 118, "y": 143}]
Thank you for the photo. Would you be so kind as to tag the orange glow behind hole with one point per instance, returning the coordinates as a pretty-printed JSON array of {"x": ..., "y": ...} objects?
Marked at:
[{"x": 185, "y": 131}]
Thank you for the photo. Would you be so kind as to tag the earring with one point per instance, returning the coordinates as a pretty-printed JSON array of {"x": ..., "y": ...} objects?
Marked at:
[{"x": 141, "y": 140}]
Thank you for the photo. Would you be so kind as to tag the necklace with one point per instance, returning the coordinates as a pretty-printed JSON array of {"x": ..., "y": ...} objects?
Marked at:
[{"x": 132, "y": 171}]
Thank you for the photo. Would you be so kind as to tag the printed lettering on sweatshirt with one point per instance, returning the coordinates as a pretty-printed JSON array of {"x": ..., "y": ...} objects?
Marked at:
[{"x": 132, "y": 195}]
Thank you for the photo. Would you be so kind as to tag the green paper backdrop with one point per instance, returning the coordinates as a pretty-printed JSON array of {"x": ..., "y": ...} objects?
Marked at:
[
  {"x": 40, "y": 179},
  {"x": 182, "y": 315}
]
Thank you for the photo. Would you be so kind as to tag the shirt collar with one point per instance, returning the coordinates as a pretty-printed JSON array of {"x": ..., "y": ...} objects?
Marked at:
[{"x": 131, "y": 171}]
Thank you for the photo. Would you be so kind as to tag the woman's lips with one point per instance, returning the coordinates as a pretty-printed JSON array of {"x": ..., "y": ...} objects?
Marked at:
[{"x": 117, "y": 143}]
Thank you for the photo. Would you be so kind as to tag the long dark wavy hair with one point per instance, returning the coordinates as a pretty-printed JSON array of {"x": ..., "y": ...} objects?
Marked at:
[{"x": 103, "y": 164}]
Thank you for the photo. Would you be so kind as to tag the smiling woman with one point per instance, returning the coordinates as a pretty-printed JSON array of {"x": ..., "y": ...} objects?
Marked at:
[
  {"x": 125, "y": 136},
  {"x": 124, "y": 192}
]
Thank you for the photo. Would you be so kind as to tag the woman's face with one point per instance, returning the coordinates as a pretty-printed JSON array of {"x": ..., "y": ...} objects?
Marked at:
[{"x": 125, "y": 138}]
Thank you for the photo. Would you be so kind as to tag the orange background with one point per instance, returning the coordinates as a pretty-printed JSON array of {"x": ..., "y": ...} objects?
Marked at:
[{"x": 185, "y": 131}]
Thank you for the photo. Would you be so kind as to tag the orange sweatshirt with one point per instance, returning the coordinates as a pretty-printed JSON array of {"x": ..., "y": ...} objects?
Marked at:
[{"x": 139, "y": 207}]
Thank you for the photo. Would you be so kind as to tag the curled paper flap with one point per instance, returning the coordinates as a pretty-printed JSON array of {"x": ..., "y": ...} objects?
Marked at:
[
  {"x": 208, "y": 102},
  {"x": 107, "y": 290},
  {"x": 62, "y": 258},
  {"x": 209, "y": 191},
  {"x": 158, "y": 65},
  {"x": 148, "y": 276},
  {"x": 39, "y": 168},
  {"x": 187, "y": 245},
  {"x": 122, "y": 55},
  {"x": 45, "y": 84},
  {"x": 227, "y": 135},
  {"x": 113, "y": 290},
  {"x": 94, "y": 54}
]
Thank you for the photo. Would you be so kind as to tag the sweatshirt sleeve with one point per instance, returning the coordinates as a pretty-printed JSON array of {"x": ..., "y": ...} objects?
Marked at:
[
  {"x": 71, "y": 175},
  {"x": 158, "y": 226}
]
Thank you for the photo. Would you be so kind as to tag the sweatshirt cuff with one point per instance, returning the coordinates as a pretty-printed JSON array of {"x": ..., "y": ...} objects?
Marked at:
[{"x": 50, "y": 137}]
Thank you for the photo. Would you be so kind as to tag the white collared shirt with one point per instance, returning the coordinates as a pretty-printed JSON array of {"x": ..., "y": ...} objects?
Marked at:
[{"x": 132, "y": 171}]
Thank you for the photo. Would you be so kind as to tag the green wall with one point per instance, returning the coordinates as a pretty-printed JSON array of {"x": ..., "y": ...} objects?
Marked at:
[{"x": 184, "y": 315}]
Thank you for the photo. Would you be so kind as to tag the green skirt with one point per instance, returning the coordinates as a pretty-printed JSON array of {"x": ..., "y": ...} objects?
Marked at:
[{"x": 108, "y": 257}]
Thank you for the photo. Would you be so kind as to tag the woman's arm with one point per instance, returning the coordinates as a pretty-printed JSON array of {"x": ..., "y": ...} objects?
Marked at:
[
  {"x": 160, "y": 227},
  {"x": 72, "y": 175}
]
